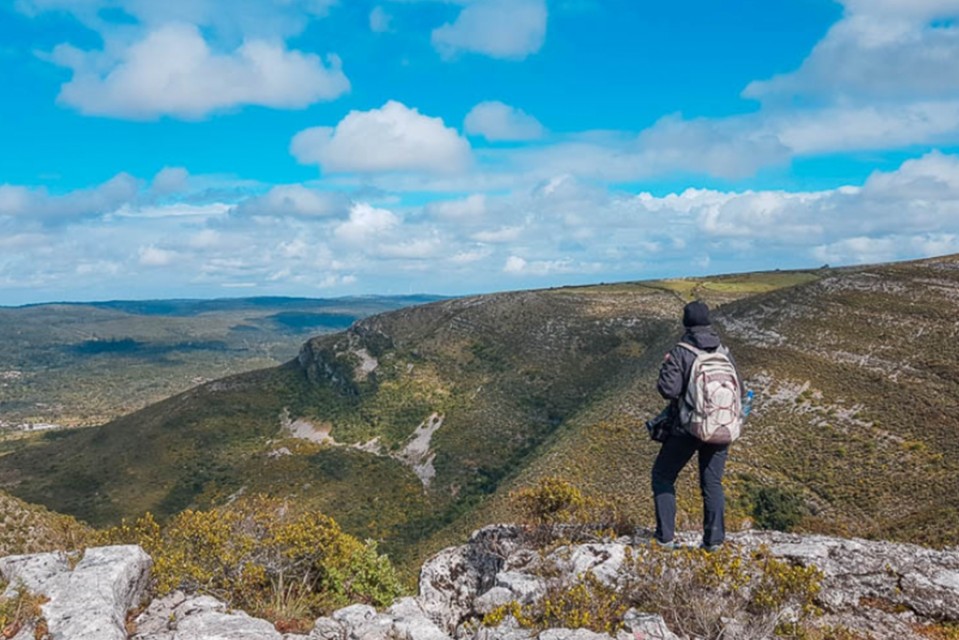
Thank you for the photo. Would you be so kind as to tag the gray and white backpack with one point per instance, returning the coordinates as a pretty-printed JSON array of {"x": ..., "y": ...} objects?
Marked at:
[{"x": 712, "y": 408}]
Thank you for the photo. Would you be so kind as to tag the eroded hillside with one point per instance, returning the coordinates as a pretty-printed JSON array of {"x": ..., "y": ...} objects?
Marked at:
[{"x": 413, "y": 426}]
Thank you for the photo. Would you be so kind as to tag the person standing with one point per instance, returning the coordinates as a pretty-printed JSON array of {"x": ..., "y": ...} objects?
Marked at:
[{"x": 678, "y": 449}]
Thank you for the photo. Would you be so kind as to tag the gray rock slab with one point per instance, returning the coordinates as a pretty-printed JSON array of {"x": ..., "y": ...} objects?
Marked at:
[
  {"x": 215, "y": 625},
  {"x": 410, "y": 622},
  {"x": 32, "y": 571},
  {"x": 91, "y": 600},
  {"x": 572, "y": 634},
  {"x": 327, "y": 629},
  {"x": 644, "y": 626}
]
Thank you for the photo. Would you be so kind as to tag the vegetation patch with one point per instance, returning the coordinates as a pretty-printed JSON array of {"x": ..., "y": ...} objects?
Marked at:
[{"x": 263, "y": 556}]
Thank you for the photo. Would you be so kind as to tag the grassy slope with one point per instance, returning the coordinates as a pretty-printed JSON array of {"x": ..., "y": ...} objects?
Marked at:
[
  {"x": 27, "y": 528},
  {"x": 559, "y": 382},
  {"x": 857, "y": 411}
]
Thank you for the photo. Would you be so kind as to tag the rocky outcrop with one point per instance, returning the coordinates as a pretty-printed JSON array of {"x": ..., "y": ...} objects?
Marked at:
[
  {"x": 89, "y": 601},
  {"x": 878, "y": 589}
]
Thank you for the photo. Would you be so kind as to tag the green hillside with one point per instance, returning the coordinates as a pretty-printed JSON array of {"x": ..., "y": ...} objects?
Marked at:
[
  {"x": 855, "y": 421},
  {"x": 83, "y": 364}
]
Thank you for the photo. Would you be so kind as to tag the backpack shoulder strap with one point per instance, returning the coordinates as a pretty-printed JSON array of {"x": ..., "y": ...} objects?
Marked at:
[{"x": 689, "y": 347}]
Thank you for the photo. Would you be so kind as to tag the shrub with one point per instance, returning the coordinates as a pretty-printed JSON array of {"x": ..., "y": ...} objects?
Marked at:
[
  {"x": 21, "y": 610},
  {"x": 265, "y": 557},
  {"x": 777, "y": 508},
  {"x": 696, "y": 592},
  {"x": 556, "y": 505},
  {"x": 584, "y": 603}
]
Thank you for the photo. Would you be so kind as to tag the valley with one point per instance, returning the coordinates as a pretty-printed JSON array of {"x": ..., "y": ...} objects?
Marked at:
[{"x": 414, "y": 426}]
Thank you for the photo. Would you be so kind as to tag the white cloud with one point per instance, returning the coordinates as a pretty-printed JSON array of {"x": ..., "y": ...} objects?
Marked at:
[
  {"x": 882, "y": 50},
  {"x": 496, "y": 122},
  {"x": 393, "y": 138},
  {"x": 498, "y": 236},
  {"x": 170, "y": 180},
  {"x": 559, "y": 231},
  {"x": 416, "y": 249},
  {"x": 514, "y": 264},
  {"x": 39, "y": 206},
  {"x": 470, "y": 208},
  {"x": 863, "y": 249},
  {"x": 380, "y": 20},
  {"x": 151, "y": 256},
  {"x": 244, "y": 19},
  {"x": 510, "y": 29},
  {"x": 365, "y": 224},
  {"x": 294, "y": 200},
  {"x": 172, "y": 210},
  {"x": 866, "y": 127},
  {"x": 173, "y": 71}
]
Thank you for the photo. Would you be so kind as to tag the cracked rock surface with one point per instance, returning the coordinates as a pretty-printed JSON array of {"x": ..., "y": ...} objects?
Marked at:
[{"x": 880, "y": 589}]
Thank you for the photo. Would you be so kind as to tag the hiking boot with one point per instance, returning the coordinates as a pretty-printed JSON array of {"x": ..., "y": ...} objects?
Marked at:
[
  {"x": 710, "y": 548},
  {"x": 672, "y": 545}
]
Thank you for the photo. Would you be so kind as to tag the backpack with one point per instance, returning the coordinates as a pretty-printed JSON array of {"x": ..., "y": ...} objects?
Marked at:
[{"x": 712, "y": 407}]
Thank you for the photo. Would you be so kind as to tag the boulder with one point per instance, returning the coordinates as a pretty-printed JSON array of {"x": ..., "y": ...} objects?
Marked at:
[
  {"x": 89, "y": 602},
  {"x": 177, "y": 617}
]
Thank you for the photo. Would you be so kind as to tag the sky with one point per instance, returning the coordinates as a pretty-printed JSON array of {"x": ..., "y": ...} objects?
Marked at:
[{"x": 226, "y": 148}]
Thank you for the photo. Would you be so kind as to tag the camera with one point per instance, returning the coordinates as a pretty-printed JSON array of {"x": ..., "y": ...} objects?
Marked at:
[{"x": 660, "y": 427}]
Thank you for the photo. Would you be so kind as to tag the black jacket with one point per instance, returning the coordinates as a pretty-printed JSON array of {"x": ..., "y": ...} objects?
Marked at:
[{"x": 674, "y": 372}]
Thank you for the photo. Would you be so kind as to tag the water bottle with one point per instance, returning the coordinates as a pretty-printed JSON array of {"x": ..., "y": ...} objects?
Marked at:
[{"x": 748, "y": 403}]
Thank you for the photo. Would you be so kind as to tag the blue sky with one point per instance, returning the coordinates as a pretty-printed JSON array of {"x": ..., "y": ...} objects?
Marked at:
[{"x": 206, "y": 148}]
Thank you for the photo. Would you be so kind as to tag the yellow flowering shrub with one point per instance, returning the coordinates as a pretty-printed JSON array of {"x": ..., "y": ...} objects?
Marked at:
[
  {"x": 583, "y": 604},
  {"x": 554, "y": 504},
  {"x": 265, "y": 557}
]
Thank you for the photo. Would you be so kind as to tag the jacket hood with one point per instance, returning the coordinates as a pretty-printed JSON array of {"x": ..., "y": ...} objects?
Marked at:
[{"x": 702, "y": 337}]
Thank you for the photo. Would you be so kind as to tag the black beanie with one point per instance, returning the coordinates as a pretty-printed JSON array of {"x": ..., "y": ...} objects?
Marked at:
[{"x": 696, "y": 314}]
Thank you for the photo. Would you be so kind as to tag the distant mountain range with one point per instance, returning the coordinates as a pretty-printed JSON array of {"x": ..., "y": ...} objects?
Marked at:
[{"x": 412, "y": 426}]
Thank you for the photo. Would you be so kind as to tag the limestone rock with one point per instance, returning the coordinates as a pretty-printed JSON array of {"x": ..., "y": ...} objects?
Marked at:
[
  {"x": 91, "y": 601},
  {"x": 177, "y": 617},
  {"x": 644, "y": 626},
  {"x": 450, "y": 580},
  {"x": 572, "y": 634},
  {"x": 32, "y": 571},
  {"x": 327, "y": 629},
  {"x": 411, "y": 623}
]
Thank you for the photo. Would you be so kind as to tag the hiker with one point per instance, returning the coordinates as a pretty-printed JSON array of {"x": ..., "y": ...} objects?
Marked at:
[{"x": 679, "y": 445}]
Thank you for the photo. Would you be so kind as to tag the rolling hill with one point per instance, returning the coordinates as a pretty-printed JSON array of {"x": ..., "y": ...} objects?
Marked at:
[
  {"x": 413, "y": 426},
  {"x": 72, "y": 364}
]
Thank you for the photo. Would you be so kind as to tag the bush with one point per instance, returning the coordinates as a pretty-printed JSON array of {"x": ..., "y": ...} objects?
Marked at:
[
  {"x": 584, "y": 603},
  {"x": 777, "y": 508},
  {"x": 264, "y": 557},
  {"x": 555, "y": 505},
  {"x": 696, "y": 592}
]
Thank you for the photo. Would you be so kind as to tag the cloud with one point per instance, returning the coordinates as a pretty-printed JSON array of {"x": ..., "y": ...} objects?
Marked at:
[
  {"x": 38, "y": 206},
  {"x": 173, "y": 71},
  {"x": 509, "y": 29},
  {"x": 244, "y": 19},
  {"x": 393, "y": 138},
  {"x": 470, "y": 208},
  {"x": 170, "y": 180},
  {"x": 879, "y": 50},
  {"x": 294, "y": 200},
  {"x": 366, "y": 224},
  {"x": 151, "y": 256},
  {"x": 380, "y": 20},
  {"x": 496, "y": 122},
  {"x": 863, "y": 249},
  {"x": 562, "y": 230}
]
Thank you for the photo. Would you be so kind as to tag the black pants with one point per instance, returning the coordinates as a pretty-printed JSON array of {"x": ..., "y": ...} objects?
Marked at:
[{"x": 675, "y": 453}]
